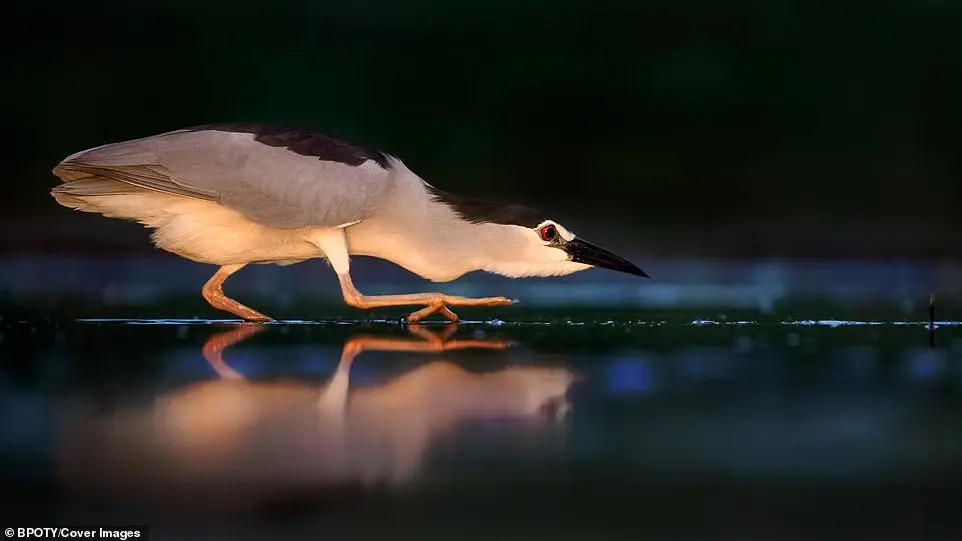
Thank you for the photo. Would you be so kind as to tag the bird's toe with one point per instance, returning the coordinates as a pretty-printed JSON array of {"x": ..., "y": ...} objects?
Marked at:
[{"x": 258, "y": 317}]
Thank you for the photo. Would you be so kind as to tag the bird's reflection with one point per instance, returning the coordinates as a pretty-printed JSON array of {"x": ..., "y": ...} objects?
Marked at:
[{"x": 245, "y": 442}]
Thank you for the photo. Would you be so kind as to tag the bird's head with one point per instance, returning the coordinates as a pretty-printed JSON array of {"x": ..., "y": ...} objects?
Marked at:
[
  {"x": 550, "y": 249},
  {"x": 519, "y": 241}
]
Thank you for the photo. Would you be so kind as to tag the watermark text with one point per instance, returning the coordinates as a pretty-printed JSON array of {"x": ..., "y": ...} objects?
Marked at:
[{"x": 122, "y": 533}]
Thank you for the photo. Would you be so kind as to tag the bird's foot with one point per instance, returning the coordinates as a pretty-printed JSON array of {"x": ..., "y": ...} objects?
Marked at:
[
  {"x": 414, "y": 317},
  {"x": 246, "y": 313},
  {"x": 432, "y": 302},
  {"x": 257, "y": 317},
  {"x": 440, "y": 305},
  {"x": 227, "y": 304}
]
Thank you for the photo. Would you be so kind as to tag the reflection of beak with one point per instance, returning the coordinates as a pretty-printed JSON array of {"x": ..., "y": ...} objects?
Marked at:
[{"x": 596, "y": 256}]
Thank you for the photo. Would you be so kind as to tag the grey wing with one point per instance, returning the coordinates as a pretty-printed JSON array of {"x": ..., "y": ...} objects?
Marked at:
[{"x": 268, "y": 183}]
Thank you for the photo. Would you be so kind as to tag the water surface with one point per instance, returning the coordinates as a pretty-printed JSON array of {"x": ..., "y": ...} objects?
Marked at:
[
  {"x": 719, "y": 400},
  {"x": 593, "y": 428}
]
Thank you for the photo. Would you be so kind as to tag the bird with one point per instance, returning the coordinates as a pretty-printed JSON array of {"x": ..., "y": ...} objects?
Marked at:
[{"x": 238, "y": 193}]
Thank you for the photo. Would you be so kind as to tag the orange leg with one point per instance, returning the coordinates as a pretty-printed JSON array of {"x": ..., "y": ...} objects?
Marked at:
[
  {"x": 213, "y": 291},
  {"x": 432, "y": 302}
]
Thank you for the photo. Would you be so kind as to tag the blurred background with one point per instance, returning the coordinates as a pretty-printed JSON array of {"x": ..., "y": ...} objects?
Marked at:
[{"x": 669, "y": 129}]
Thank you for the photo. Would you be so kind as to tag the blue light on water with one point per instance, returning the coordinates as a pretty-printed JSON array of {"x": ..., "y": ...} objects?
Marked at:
[
  {"x": 629, "y": 376},
  {"x": 693, "y": 367},
  {"x": 318, "y": 363},
  {"x": 362, "y": 376},
  {"x": 703, "y": 362},
  {"x": 247, "y": 364},
  {"x": 190, "y": 364},
  {"x": 924, "y": 366}
]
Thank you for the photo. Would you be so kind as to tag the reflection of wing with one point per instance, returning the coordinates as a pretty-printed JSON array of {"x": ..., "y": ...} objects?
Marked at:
[{"x": 278, "y": 177}]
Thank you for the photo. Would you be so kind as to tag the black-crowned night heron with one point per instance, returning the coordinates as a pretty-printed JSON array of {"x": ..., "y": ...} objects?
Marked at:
[{"x": 234, "y": 194}]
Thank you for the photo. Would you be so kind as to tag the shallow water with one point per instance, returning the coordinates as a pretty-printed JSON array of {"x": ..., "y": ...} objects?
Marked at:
[
  {"x": 719, "y": 400},
  {"x": 593, "y": 428}
]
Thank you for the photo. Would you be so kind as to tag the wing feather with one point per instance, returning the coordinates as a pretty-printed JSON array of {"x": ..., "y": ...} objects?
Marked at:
[
  {"x": 267, "y": 182},
  {"x": 141, "y": 176}
]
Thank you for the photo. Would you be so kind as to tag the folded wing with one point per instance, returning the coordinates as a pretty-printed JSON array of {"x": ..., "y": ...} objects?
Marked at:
[{"x": 279, "y": 177}]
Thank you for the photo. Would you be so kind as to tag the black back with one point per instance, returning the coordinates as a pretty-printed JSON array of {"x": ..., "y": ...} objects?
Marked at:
[
  {"x": 303, "y": 142},
  {"x": 478, "y": 211},
  {"x": 328, "y": 148}
]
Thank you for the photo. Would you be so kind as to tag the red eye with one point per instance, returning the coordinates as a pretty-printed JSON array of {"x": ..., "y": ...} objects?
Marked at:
[{"x": 548, "y": 233}]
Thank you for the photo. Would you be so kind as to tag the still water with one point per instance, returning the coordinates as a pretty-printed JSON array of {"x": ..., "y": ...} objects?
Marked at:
[{"x": 564, "y": 429}]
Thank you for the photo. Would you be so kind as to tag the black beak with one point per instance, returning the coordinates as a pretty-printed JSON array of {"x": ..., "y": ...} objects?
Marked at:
[{"x": 596, "y": 256}]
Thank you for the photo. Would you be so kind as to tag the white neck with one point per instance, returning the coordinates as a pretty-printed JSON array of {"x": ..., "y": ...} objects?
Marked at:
[
  {"x": 431, "y": 242},
  {"x": 427, "y": 238}
]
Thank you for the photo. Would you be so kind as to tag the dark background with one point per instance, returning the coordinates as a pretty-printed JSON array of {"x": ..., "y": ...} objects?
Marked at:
[
  {"x": 682, "y": 128},
  {"x": 674, "y": 129}
]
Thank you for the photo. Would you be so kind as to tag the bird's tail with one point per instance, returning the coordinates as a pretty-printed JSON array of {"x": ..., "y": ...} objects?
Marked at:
[
  {"x": 88, "y": 193},
  {"x": 112, "y": 198}
]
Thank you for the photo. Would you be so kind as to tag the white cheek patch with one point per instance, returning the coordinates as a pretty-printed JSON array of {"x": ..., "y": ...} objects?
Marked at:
[
  {"x": 554, "y": 255},
  {"x": 540, "y": 252}
]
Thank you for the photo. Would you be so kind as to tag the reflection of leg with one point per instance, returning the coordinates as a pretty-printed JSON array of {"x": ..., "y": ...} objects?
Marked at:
[
  {"x": 442, "y": 341},
  {"x": 430, "y": 342},
  {"x": 334, "y": 397},
  {"x": 215, "y": 346}
]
